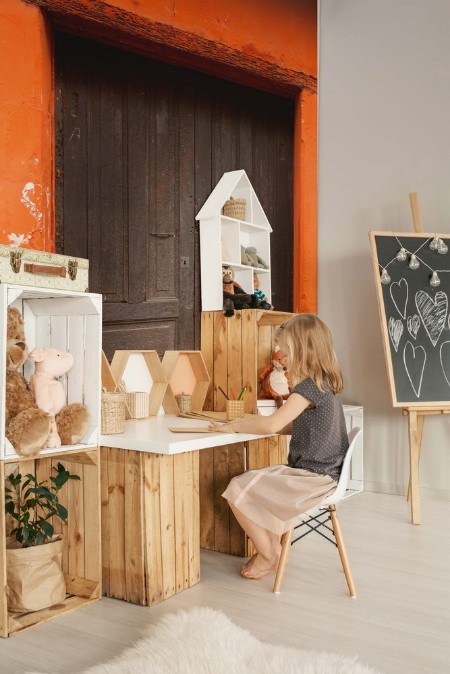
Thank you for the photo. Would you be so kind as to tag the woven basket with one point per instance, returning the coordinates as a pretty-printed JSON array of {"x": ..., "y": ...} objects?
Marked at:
[
  {"x": 113, "y": 413},
  {"x": 138, "y": 404},
  {"x": 184, "y": 402},
  {"x": 235, "y": 208}
]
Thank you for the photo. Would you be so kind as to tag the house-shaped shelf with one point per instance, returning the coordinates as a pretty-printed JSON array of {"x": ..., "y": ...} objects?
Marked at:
[
  {"x": 186, "y": 373},
  {"x": 141, "y": 371},
  {"x": 222, "y": 240}
]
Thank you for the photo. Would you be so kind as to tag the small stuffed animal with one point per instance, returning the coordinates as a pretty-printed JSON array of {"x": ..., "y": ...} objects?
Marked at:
[
  {"x": 69, "y": 422},
  {"x": 234, "y": 297},
  {"x": 275, "y": 378},
  {"x": 26, "y": 426},
  {"x": 245, "y": 257},
  {"x": 255, "y": 259},
  {"x": 265, "y": 304}
]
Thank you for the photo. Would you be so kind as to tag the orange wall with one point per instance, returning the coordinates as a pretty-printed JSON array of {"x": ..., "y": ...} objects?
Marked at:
[{"x": 278, "y": 33}]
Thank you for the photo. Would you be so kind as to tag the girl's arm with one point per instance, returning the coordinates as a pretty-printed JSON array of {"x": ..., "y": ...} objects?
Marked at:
[{"x": 265, "y": 425}]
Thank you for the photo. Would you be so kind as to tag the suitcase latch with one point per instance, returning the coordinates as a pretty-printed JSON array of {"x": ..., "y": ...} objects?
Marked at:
[
  {"x": 15, "y": 259},
  {"x": 72, "y": 268}
]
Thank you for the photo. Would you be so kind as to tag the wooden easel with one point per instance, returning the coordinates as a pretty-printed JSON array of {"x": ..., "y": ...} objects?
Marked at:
[{"x": 416, "y": 415}]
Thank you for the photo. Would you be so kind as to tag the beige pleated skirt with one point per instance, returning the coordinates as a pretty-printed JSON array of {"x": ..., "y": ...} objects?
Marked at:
[{"x": 274, "y": 497}]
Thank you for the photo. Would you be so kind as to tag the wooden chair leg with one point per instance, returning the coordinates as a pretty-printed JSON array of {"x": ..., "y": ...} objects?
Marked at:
[
  {"x": 285, "y": 545},
  {"x": 342, "y": 551}
]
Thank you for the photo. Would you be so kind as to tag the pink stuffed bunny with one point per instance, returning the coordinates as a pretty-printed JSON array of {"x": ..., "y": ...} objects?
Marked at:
[{"x": 69, "y": 422}]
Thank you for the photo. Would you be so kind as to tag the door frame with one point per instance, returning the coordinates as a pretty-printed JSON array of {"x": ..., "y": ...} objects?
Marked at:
[{"x": 125, "y": 29}]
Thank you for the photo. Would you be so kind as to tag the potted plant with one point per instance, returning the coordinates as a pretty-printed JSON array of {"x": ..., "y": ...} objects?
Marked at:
[{"x": 34, "y": 556}]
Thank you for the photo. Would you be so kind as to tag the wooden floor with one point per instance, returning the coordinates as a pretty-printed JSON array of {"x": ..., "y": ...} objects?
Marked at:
[{"x": 399, "y": 623}]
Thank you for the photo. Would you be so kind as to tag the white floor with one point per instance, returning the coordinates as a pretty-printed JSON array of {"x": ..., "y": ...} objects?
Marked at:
[{"x": 400, "y": 622}]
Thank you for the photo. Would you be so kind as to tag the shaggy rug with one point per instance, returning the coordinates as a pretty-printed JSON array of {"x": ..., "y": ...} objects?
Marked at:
[{"x": 205, "y": 641}]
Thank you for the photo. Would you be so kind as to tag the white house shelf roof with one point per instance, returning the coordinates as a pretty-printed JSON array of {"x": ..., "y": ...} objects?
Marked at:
[{"x": 236, "y": 184}]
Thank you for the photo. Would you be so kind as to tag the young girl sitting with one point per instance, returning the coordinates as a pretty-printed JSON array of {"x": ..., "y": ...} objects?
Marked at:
[{"x": 267, "y": 502}]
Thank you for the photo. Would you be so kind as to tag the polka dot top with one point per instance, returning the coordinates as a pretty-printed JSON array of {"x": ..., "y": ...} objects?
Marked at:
[{"x": 319, "y": 436}]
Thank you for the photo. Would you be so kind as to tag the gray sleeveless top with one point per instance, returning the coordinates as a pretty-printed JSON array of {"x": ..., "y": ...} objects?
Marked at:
[{"x": 319, "y": 436}]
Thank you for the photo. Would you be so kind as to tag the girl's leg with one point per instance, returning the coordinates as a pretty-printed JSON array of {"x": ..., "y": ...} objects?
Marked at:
[{"x": 267, "y": 545}]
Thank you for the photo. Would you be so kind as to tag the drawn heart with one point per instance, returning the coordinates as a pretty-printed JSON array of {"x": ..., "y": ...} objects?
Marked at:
[
  {"x": 413, "y": 324},
  {"x": 414, "y": 359},
  {"x": 444, "y": 354},
  {"x": 399, "y": 295},
  {"x": 432, "y": 313},
  {"x": 395, "y": 331}
]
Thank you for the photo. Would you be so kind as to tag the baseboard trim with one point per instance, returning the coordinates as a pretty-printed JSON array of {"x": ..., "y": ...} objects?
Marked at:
[{"x": 400, "y": 490}]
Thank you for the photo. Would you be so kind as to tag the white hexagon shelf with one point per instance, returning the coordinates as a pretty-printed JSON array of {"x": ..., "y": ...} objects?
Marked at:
[
  {"x": 141, "y": 371},
  {"x": 186, "y": 373}
]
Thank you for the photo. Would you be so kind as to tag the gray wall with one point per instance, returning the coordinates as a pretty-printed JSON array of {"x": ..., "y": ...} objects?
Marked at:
[{"x": 384, "y": 131}]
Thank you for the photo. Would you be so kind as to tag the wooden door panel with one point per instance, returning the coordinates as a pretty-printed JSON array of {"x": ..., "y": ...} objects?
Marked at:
[{"x": 139, "y": 147}]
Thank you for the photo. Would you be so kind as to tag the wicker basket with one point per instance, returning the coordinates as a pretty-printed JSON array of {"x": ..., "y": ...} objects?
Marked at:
[
  {"x": 235, "y": 208},
  {"x": 184, "y": 402},
  {"x": 138, "y": 404},
  {"x": 113, "y": 413}
]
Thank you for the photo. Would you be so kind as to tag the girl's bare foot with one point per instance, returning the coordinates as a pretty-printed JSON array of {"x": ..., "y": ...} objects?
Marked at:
[
  {"x": 260, "y": 567},
  {"x": 248, "y": 563}
]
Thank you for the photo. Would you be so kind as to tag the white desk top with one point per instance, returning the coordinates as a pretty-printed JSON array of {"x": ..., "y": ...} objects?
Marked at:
[{"x": 152, "y": 435}]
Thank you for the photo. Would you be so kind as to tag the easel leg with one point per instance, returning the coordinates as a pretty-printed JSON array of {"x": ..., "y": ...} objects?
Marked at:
[
  {"x": 414, "y": 449},
  {"x": 420, "y": 423}
]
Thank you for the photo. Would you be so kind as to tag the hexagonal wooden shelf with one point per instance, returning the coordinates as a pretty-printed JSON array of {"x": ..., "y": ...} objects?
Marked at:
[
  {"x": 141, "y": 371},
  {"x": 186, "y": 373}
]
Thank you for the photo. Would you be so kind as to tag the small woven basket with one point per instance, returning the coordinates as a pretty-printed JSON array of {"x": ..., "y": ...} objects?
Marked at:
[
  {"x": 235, "y": 208},
  {"x": 138, "y": 404},
  {"x": 113, "y": 413},
  {"x": 184, "y": 402}
]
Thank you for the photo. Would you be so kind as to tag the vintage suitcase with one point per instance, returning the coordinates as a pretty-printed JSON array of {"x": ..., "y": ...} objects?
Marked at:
[{"x": 21, "y": 266}]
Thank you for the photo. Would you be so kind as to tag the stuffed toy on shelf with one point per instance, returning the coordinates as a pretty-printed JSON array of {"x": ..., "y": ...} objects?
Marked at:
[
  {"x": 275, "y": 383},
  {"x": 234, "y": 296},
  {"x": 265, "y": 304},
  {"x": 255, "y": 259},
  {"x": 26, "y": 426},
  {"x": 69, "y": 423}
]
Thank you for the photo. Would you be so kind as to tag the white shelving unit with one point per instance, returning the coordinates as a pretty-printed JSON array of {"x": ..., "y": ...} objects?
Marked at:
[{"x": 222, "y": 237}]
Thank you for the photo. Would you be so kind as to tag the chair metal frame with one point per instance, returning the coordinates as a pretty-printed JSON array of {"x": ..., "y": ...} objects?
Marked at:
[{"x": 319, "y": 517}]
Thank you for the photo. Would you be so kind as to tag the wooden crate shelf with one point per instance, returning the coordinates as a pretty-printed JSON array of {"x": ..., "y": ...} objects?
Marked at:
[
  {"x": 186, "y": 373},
  {"x": 81, "y": 535}
]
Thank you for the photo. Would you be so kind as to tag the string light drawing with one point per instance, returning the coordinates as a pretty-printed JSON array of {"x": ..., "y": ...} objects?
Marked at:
[{"x": 435, "y": 244}]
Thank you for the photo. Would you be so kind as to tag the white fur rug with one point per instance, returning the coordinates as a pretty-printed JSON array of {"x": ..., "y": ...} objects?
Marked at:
[{"x": 205, "y": 641}]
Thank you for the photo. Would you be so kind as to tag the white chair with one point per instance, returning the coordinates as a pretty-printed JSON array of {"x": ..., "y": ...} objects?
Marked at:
[{"x": 318, "y": 518}]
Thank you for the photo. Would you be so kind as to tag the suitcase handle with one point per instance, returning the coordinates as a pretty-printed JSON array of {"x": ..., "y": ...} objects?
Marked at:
[{"x": 45, "y": 270}]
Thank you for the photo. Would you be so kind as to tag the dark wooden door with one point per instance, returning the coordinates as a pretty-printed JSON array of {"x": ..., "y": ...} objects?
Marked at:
[{"x": 139, "y": 147}]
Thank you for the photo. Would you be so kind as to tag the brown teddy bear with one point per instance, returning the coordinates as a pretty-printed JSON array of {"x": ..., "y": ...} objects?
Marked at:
[
  {"x": 275, "y": 383},
  {"x": 26, "y": 426}
]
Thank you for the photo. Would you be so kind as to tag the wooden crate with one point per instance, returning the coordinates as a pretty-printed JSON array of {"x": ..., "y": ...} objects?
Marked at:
[
  {"x": 150, "y": 524},
  {"x": 69, "y": 321},
  {"x": 236, "y": 350},
  {"x": 219, "y": 529},
  {"x": 81, "y": 535}
]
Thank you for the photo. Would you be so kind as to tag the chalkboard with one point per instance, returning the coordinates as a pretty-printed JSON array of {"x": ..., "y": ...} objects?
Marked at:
[{"x": 413, "y": 299}]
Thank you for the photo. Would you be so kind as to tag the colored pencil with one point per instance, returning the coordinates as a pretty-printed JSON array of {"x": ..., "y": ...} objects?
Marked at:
[
  {"x": 241, "y": 394},
  {"x": 233, "y": 394},
  {"x": 223, "y": 392}
]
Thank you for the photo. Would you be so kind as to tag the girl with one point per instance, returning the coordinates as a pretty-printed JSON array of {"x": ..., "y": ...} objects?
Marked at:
[{"x": 267, "y": 502}]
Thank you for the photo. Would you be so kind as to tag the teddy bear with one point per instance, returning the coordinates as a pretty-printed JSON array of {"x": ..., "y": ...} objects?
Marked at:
[
  {"x": 234, "y": 297},
  {"x": 265, "y": 304},
  {"x": 274, "y": 378},
  {"x": 26, "y": 426},
  {"x": 255, "y": 259},
  {"x": 69, "y": 423},
  {"x": 245, "y": 257}
]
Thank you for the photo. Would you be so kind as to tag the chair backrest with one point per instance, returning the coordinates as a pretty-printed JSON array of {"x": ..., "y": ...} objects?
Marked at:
[{"x": 341, "y": 488}]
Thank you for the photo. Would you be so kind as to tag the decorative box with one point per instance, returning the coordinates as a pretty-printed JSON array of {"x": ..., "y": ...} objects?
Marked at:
[{"x": 21, "y": 266}]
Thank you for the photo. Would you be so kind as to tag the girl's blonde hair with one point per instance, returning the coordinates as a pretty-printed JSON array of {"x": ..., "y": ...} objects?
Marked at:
[{"x": 310, "y": 352}]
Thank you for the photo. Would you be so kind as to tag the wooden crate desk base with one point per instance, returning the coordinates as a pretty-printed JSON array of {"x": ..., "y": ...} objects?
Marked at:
[
  {"x": 81, "y": 535},
  {"x": 416, "y": 418}
]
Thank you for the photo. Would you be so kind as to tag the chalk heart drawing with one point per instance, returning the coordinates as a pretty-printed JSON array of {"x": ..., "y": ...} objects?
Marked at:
[
  {"x": 413, "y": 324},
  {"x": 399, "y": 295},
  {"x": 444, "y": 354},
  {"x": 414, "y": 359},
  {"x": 395, "y": 331},
  {"x": 432, "y": 312}
]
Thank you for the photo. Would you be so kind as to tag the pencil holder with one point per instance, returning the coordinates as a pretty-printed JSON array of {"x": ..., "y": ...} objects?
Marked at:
[
  {"x": 235, "y": 409},
  {"x": 184, "y": 402}
]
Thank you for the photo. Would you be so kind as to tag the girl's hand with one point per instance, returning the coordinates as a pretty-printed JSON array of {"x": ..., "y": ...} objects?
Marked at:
[{"x": 221, "y": 428}]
